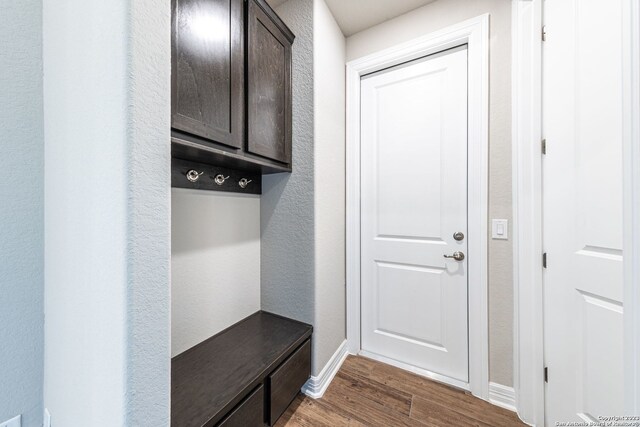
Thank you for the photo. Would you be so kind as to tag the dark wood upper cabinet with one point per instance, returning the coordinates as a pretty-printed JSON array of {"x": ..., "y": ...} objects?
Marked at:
[
  {"x": 208, "y": 69},
  {"x": 269, "y": 85},
  {"x": 231, "y": 85}
]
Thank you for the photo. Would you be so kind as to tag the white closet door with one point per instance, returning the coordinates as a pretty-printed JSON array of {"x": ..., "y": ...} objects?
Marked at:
[
  {"x": 414, "y": 198},
  {"x": 582, "y": 195}
]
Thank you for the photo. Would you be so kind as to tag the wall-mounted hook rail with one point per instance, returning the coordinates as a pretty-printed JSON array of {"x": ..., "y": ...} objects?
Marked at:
[{"x": 187, "y": 174}]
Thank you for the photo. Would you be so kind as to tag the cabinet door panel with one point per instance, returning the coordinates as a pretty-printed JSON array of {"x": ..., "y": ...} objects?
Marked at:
[
  {"x": 250, "y": 413},
  {"x": 269, "y": 88},
  {"x": 286, "y": 381},
  {"x": 208, "y": 69}
]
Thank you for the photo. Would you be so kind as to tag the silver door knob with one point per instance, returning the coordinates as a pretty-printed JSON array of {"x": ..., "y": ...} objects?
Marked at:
[
  {"x": 458, "y": 235},
  {"x": 457, "y": 255}
]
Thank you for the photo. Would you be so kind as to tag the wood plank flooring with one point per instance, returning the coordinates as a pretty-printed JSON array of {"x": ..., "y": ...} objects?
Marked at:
[{"x": 368, "y": 393}]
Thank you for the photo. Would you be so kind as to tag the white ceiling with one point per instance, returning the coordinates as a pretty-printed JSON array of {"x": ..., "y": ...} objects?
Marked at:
[{"x": 357, "y": 15}]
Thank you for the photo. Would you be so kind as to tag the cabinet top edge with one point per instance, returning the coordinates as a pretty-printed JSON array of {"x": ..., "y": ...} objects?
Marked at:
[{"x": 276, "y": 19}]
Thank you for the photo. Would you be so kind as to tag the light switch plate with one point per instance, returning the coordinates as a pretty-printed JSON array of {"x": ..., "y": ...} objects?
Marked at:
[
  {"x": 500, "y": 229},
  {"x": 47, "y": 418},
  {"x": 13, "y": 422}
]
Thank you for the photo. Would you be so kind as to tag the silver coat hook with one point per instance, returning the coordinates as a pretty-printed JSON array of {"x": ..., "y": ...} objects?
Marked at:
[
  {"x": 220, "y": 179},
  {"x": 244, "y": 182},
  {"x": 194, "y": 175}
]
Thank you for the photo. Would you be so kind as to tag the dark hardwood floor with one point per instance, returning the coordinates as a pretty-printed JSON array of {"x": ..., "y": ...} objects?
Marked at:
[{"x": 369, "y": 393}]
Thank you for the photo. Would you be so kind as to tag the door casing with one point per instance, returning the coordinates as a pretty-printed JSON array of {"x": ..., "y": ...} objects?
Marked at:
[{"x": 475, "y": 34}]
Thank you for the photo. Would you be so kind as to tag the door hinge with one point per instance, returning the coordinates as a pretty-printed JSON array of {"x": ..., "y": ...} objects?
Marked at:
[
  {"x": 544, "y": 33},
  {"x": 544, "y": 146},
  {"x": 546, "y": 374},
  {"x": 544, "y": 260}
]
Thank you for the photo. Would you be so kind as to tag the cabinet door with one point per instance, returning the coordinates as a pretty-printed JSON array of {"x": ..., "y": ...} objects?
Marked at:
[
  {"x": 207, "y": 61},
  {"x": 286, "y": 381},
  {"x": 249, "y": 413},
  {"x": 269, "y": 85}
]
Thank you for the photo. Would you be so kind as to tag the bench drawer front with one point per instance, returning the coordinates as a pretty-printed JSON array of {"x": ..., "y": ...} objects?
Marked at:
[
  {"x": 249, "y": 413},
  {"x": 287, "y": 380}
]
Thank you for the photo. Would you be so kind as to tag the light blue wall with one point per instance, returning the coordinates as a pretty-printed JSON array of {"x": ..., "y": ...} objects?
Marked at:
[
  {"x": 107, "y": 212},
  {"x": 21, "y": 212}
]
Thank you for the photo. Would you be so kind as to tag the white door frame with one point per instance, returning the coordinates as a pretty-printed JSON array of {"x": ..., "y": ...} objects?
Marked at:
[
  {"x": 526, "y": 126},
  {"x": 527, "y": 208},
  {"x": 631, "y": 194},
  {"x": 475, "y": 34}
]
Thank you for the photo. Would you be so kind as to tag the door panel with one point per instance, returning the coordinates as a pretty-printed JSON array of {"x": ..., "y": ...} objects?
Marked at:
[
  {"x": 583, "y": 210},
  {"x": 414, "y": 197},
  {"x": 405, "y": 161},
  {"x": 400, "y": 285},
  {"x": 208, "y": 69}
]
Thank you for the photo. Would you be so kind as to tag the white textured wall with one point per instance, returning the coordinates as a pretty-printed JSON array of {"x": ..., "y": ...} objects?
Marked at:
[
  {"x": 303, "y": 213},
  {"x": 329, "y": 182},
  {"x": 148, "y": 173},
  {"x": 424, "y": 20},
  {"x": 215, "y": 263},
  {"x": 107, "y": 212},
  {"x": 21, "y": 212},
  {"x": 287, "y": 205}
]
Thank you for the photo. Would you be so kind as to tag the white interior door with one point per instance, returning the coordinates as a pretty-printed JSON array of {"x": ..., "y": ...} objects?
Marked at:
[
  {"x": 582, "y": 196},
  {"x": 413, "y": 200}
]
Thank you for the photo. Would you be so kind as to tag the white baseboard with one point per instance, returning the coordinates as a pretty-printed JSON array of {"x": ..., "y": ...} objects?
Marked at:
[
  {"x": 499, "y": 395},
  {"x": 316, "y": 386},
  {"x": 503, "y": 396}
]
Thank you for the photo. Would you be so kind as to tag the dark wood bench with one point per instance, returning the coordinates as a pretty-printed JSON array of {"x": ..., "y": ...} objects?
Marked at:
[{"x": 247, "y": 375}]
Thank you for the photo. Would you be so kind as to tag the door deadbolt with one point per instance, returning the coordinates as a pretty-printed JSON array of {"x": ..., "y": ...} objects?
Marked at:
[
  {"x": 458, "y": 235},
  {"x": 457, "y": 255}
]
